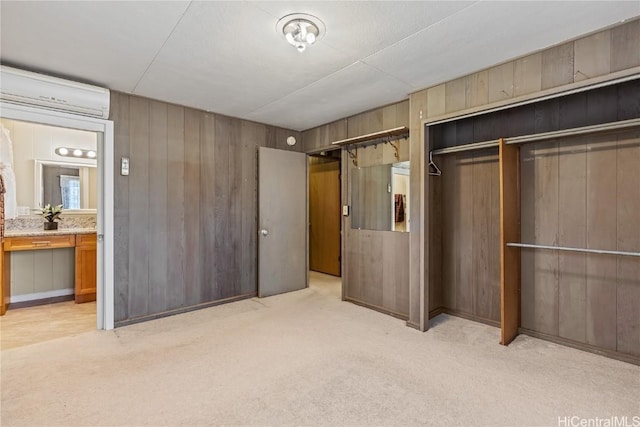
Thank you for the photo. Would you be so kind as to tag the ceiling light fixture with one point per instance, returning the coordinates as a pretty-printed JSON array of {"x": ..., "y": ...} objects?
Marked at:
[{"x": 300, "y": 30}]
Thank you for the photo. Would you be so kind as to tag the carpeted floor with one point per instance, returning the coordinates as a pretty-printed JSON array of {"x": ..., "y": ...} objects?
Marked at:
[{"x": 307, "y": 358}]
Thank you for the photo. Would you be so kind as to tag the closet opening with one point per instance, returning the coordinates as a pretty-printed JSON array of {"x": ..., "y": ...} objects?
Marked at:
[
  {"x": 568, "y": 169},
  {"x": 325, "y": 220}
]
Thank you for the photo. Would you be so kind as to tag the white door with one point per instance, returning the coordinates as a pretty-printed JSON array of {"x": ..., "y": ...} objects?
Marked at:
[{"x": 282, "y": 221}]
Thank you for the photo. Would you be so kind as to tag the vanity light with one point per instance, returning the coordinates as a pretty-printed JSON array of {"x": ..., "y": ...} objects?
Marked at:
[
  {"x": 76, "y": 152},
  {"x": 291, "y": 141}
]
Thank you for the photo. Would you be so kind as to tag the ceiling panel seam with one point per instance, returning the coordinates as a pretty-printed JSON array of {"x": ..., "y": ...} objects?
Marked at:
[
  {"x": 304, "y": 87},
  {"x": 415, "y": 33},
  {"x": 184, "y": 12}
]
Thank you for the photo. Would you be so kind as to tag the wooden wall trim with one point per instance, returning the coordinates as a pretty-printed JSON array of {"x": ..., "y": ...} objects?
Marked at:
[
  {"x": 555, "y": 92},
  {"x": 377, "y": 308},
  {"x": 628, "y": 358},
  {"x": 509, "y": 232},
  {"x": 423, "y": 233},
  {"x": 183, "y": 310}
]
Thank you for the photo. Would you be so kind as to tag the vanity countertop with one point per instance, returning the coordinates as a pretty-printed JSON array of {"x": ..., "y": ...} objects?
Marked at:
[{"x": 59, "y": 232}]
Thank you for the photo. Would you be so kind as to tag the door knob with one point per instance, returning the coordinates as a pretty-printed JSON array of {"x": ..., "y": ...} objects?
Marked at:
[{"x": 264, "y": 232}]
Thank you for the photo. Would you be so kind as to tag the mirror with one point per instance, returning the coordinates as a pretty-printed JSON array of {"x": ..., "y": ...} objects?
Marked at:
[
  {"x": 66, "y": 184},
  {"x": 37, "y": 151},
  {"x": 380, "y": 197}
]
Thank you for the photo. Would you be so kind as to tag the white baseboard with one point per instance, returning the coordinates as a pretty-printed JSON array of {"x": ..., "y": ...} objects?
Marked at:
[{"x": 41, "y": 295}]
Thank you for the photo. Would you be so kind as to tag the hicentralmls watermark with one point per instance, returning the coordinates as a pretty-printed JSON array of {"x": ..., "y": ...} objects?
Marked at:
[{"x": 575, "y": 421}]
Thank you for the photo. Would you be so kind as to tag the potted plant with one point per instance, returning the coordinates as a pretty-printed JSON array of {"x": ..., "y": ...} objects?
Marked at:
[{"x": 51, "y": 214}]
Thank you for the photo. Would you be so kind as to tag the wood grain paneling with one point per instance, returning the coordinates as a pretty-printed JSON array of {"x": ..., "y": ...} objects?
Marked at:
[
  {"x": 509, "y": 232},
  {"x": 435, "y": 102},
  {"x": 158, "y": 200},
  {"x": 469, "y": 234},
  {"x": 592, "y": 56},
  {"x": 119, "y": 110},
  {"x": 527, "y": 74},
  {"x": 418, "y": 178},
  {"x": 484, "y": 297},
  {"x": 376, "y": 263},
  {"x": 455, "y": 95},
  {"x": 501, "y": 82},
  {"x": 175, "y": 207},
  {"x": 434, "y": 266},
  {"x": 595, "y": 182},
  {"x": 192, "y": 248},
  {"x": 572, "y": 170},
  {"x": 139, "y": 207},
  {"x": 324, "y": 215},
  {"x": 625, "y": 46},
  {"x": 601, "y": 234},
  {"x": 628, "y": 239},
  {"x": 321, "y": 137},
  {"x": 545, "y": 281},
  {"x": 252, "y": 136},
  {"x": 557, "y": 66},
  {"x": 477, "y": 89},
  {"x": 186, "y": 216},
  {"x": 463, "y": 232},
  {"x": 85, "y": 268}
]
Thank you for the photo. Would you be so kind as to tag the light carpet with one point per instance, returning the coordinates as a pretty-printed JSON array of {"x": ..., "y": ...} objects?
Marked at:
[{"x": 307, "y": 358}]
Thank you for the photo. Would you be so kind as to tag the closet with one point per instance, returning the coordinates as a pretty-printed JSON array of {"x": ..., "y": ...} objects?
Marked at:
[{"x": 535, "y": 220}]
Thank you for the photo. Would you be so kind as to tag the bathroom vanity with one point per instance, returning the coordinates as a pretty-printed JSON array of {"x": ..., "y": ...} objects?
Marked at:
[{"x": 80, "y": 242}]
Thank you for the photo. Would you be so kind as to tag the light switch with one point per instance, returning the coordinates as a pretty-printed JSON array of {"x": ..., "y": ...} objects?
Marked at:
[
  {"x": 345, "y": 210},
  {"x": 124, "y": 166}
]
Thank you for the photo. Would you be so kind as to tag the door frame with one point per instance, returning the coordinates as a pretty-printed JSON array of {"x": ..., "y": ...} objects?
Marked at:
[
  {"x": 105, "y": 291},
  {"x": 343, "y": 158},
  {"x": 340, "y": 203}
]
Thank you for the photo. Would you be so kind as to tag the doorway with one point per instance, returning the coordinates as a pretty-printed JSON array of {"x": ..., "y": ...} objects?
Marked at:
[
  {"x": 325, "y": 216},
  {"x": 50, "y": 281},
  {"x": 103, "y": 179}
]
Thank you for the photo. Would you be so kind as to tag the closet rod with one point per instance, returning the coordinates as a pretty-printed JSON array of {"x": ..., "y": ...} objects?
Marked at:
[
  {"x": 467, "y": 147},
  {"x": 623, "y": 124},
  {"x": 564, "y": 248}
]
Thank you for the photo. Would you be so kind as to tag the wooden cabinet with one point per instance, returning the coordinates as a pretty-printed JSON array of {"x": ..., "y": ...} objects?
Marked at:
[
  {"x": 39, "y": 242},
  {"x": 85, "y": 261},
  {"x": 86, "y": 252}
]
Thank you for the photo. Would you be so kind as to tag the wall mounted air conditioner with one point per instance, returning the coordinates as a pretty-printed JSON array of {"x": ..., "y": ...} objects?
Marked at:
[{"x": 37, "y": 90}]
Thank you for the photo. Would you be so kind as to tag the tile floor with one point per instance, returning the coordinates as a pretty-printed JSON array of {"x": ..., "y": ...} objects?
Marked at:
[{"x": 24, "y": 326}]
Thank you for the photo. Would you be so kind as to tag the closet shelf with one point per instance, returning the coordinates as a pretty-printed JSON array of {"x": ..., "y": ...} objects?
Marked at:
[{"x": 381, "y": 136}]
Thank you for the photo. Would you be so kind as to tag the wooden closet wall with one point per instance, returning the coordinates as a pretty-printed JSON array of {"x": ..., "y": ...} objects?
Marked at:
[
  {"x": 376, "y": 270},
  {"x": 582, "y": 192},
  {"x": 579, "y": 191},
  {"x": 465, "y": 236}
]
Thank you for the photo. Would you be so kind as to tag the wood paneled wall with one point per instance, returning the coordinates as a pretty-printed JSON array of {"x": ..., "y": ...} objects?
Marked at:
[
  {"x": 376, "y": 263},
  {"x": 390, "y": 116},
  {"x": 465, "y": 245},
  {"x": 186, "y": 216},
  {"x": 582, "y": 192},
  {"x": 588, "y": 60}
]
